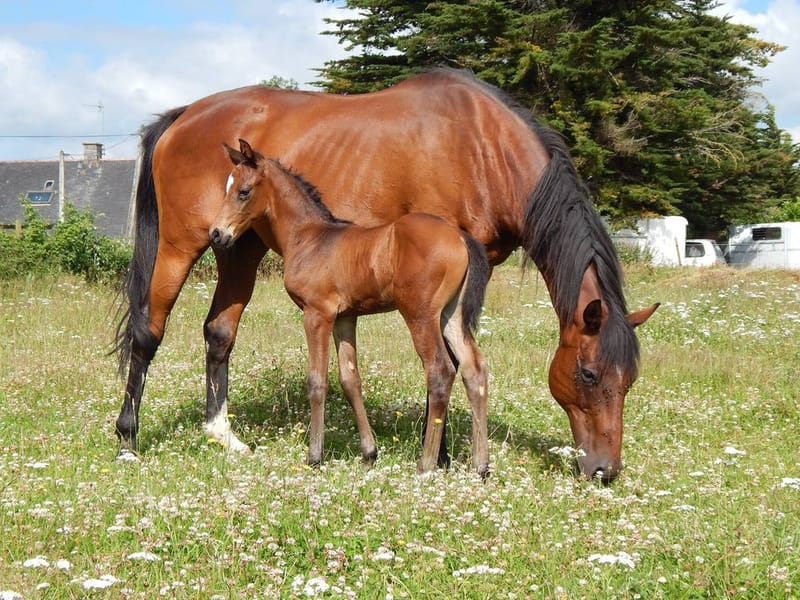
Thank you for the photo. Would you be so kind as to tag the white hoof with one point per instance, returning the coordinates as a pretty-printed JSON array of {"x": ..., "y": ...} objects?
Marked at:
[
  {"x": 127, "y": 456},
  {"x": 219, "y": 430}
]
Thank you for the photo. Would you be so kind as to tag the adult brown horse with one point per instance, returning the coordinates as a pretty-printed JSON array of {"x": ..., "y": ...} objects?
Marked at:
[
  {"x": 442, "y": 143},
  {"x": 434, "y": 274}
]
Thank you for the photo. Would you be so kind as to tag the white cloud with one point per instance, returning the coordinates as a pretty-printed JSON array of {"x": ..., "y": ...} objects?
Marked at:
[
  {"x": 53, "y": 75},
  {"x": 777, "y": 21}
]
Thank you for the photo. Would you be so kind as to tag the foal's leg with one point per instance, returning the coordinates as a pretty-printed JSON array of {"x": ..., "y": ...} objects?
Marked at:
[
  {"x": 237, "y": 275},
  {"x": 475, "y": 377},
  {"x": 344, "y": 334},
  {"x": 439, "y": 376},
  {"x": 318, "y": 332}
]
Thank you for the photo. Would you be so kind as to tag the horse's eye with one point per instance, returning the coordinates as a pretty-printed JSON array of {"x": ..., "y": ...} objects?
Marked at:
[
  {"x": 244, "y": 193},
  {"x": 588, "y": 376}
]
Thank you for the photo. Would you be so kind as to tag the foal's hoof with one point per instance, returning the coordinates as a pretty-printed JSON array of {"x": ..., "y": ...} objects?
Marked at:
[
  {"x": 369, "y": 458},
  {"x": 484, "y": 471}
]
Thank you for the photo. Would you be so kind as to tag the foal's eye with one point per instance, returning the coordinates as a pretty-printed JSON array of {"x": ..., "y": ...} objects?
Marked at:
[
  {"x": 588, "y": 376},
  {"x": 244, "y": 193}
]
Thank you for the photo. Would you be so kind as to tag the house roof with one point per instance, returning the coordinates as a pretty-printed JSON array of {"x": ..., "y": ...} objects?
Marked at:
[{"x": 105, "y": 187}]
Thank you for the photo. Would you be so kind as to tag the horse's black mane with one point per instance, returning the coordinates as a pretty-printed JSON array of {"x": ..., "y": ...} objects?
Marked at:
[
  {"x": 564, "y": 235},
  {"x": 313, "y": 194}
]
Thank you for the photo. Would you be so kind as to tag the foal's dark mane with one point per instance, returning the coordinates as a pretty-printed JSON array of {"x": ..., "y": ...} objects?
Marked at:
[
  {"x": 311, "y": 193},
  {"x": 564, "y": 235}
]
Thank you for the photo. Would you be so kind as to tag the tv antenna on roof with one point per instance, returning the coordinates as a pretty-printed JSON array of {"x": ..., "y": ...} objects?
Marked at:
[{"x": 100, "y": 108}]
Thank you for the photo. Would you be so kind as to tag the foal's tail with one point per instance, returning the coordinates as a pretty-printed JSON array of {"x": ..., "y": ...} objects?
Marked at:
[
  {"x": 474, "y": 291},
  {"x": 133, "y": 309}
]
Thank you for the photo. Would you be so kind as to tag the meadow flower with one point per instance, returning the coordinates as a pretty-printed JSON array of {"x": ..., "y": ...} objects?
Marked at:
[
  {"x": 383, "y": 553},
  {"x": 620, "y": 558},
  {"x": 36, "y": 562},
  {"x": 478, "y": 570},
  {"x": 105, "y": 581},
  {"x": 731, "y": 451},
  {"x": 145, "y": 556}
]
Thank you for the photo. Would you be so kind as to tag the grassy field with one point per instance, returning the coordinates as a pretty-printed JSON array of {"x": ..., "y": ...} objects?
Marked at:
[{"x": 707, "y": 506}]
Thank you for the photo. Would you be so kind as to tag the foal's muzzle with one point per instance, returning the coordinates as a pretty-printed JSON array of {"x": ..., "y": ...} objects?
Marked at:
[{"x": 220, "y": 238}]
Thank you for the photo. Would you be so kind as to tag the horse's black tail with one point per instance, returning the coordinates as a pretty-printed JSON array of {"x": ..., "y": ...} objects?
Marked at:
[
  {"x": 133, "y": 309},
  {"x": 477, "y": 278}
]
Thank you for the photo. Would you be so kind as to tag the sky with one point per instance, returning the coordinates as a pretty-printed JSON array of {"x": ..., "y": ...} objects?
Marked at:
[{"x": 96, "y": 71}]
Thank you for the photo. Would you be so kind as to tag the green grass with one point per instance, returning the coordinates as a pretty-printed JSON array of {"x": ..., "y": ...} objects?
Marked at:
[{"x": 706, "y": 507}]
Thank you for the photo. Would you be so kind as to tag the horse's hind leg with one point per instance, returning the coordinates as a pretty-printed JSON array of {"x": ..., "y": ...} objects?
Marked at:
[
  {"x": 474, "y": 375},
  {"x": 169, "y": 274},
  {"x": 344, "y": 335},
  {"x": 237, "y": 269}
]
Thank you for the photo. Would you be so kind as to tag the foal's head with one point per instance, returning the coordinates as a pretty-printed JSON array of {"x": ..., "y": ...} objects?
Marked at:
[{"x": 250, "y": 186}]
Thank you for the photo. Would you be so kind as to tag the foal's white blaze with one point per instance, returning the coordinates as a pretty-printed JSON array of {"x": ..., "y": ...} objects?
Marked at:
[
  {"x": 228, "y": 184},
  {"x": 219, "y": 429}
]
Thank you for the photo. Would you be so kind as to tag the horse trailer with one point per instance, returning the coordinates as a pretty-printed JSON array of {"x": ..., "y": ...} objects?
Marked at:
[{"x": 765, "y": 245}]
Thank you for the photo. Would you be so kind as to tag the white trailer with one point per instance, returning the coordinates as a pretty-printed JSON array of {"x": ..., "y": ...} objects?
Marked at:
[
  {"x": 664, "y": 238},
  {"x": 765, "y": 245}
]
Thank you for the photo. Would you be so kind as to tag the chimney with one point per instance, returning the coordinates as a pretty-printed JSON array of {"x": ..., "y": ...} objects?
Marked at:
[{"x": 92, "y": 154}]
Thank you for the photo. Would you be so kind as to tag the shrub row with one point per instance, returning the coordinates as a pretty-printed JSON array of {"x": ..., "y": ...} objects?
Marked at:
[{"x": 73, "y": 246}]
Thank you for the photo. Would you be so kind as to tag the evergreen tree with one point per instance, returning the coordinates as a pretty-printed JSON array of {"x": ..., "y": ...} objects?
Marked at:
[{"x": 655, "y": 97}]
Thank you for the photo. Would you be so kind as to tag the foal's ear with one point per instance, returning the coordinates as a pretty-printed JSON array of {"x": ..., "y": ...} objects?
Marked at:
[
  {"x": 236, "y": 157},
  {"x": 251, "y": 157}
]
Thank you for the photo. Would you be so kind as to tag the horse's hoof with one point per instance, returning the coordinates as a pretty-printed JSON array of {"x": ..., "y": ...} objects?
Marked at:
[
  {"x": 239, "y": 447},
  {"x": 127, "y": 455},
  {"x": 484, "y": 471}
]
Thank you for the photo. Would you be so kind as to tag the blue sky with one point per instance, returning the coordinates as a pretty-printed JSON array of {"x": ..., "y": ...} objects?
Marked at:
[{"x": 60, "y": 61}]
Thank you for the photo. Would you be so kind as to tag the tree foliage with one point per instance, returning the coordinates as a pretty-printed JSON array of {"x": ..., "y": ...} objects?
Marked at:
[{"x": 655, "y": 97}]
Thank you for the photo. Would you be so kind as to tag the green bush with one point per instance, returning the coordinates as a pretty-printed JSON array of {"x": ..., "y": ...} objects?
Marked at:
[{"x": 74, "y": 246}]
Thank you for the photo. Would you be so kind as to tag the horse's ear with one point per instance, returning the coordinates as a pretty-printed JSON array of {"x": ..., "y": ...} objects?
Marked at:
[
  {"x": 236, "y": 157},
  {"x": 640, "y": 316},
  {"x": 592, "y": 317}
]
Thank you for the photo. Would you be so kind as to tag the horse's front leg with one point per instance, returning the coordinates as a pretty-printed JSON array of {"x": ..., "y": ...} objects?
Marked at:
[
  {"x": 237, "y": 275},
  {"x": 344, "y": 334},
  {"x": 318, "y": 331}
]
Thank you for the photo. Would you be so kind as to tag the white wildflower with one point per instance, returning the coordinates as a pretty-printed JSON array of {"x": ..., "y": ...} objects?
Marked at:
[
  {"x": 731, "y": 451},
  {"x": 63, "y": 564},
  {"x": 36, "y": 562},
  {"x": 792, "y": 482},
  {"x": 146, "y": 556},
  {"x": 478, "y": 570},
  {"x": 567, "y": 451},
  {"x": 383, "y": 553},
  {"x": 9, "y": 595},
  {"x": 620, "y": 558},
  {"x": 315, "y": 586},
  {"x": 104, "y": 582}
]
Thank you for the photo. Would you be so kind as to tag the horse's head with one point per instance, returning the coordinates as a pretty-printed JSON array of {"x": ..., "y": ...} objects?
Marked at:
[
  {"x": 591, "y": 372},
  {"x": 239, "y": 210}
]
